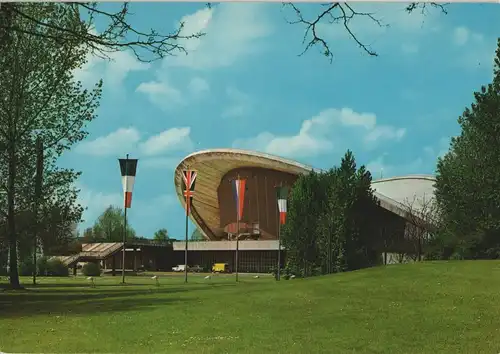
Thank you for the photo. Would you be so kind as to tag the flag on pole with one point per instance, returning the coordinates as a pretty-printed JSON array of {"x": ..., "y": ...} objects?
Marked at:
[
  {"x": 189, "y": 178},
  {"x": 282, "y": 195},
  {"x": 239, "y": 195},
  {"x": 128, "y": 168}
]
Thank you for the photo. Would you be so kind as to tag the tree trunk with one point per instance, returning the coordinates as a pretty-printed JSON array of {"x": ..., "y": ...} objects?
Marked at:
[
  {"x": 419, "y": 255},
  {"x": 11, "y": 218}
]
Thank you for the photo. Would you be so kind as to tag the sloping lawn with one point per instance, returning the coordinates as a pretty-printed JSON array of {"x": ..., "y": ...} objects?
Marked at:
[{"x": 440, "y": 307}]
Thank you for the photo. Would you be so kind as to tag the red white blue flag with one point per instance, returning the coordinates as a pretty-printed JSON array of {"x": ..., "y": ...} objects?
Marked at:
[
  {"x": 239, "y": 195},
  {"x": 188, "y": 179}
]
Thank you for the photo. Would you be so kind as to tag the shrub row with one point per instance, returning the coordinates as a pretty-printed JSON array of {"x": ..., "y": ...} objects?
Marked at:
[
  {"x": 44, "y": 267},
  {"x": 54, "y": 267}
]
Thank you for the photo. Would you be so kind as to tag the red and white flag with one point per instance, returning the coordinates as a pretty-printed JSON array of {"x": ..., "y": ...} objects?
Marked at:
[
  {"x": 282, "y": 196},
  {"x": 239, "y": 188},
  {"x": 188, "y": 179},
  {"x": 128, "y": 168}
]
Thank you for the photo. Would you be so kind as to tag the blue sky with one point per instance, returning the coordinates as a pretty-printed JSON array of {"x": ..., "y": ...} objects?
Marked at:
[{"x": 243, "y": 85}]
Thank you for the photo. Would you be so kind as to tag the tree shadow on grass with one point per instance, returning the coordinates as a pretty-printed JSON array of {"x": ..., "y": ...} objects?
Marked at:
[
  {"x": 87, "y": 300},
  {"x": 71, "y": 307}
]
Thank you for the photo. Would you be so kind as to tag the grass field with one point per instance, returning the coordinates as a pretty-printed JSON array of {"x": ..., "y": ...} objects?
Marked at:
[{"x": 441, "y": 307}]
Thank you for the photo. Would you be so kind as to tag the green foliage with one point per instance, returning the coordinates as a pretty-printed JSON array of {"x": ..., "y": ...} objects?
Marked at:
[
  {"x": 331, "y": 221},
  {"x": 91, "y": 270},
  {"x": 467, "y": 178},
  {"x": 285, "y": 272},
  {"x": 26, "y": 267},
  {"x": 109, "y": 227},
  {"x": 161, "y": 235},
  {"x": 4, "y": 254},
  {"x": 42, "y": 265},
  {"x": 298, "y": 234},
  {"x": 56, "y": 268},
  {"x": 47, "y": 103},
  {"x": 197, "y": 236}
]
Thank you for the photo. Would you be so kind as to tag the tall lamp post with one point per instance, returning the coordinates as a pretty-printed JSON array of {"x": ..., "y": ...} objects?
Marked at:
[{"x": 128, "y": 168}]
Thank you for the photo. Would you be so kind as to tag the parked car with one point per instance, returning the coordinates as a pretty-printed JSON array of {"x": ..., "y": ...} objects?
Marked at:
[
  {"x": 179, "y": 268},
  {"x": 196, "y": 268}
]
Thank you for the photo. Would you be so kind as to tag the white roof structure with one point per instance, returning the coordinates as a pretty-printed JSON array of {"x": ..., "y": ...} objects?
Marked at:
[{"x": 212, "y": 165}]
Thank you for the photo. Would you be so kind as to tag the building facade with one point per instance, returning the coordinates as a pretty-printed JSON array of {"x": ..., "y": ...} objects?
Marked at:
[{"x": 213, "y": 209}]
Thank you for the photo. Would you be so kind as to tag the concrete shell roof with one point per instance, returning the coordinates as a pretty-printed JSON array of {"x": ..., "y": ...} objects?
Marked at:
[{"x": 213, "y": 164}]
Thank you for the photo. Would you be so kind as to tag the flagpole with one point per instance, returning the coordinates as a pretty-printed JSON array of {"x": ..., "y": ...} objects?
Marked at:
[
  {"x": 281, "y": 196},
  {"x": 278, "y": 277},
  {"x": 124, "y": 225},
  {"x": 189, "y": 177},
  {"x": 186, "y": 245},
  {"x": 279, "y": 249},
  {"x": 237, "y": 231}
]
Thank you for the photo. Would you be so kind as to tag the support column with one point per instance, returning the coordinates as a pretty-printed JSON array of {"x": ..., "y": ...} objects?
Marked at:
[
  {"x": 141, "y": 258},
  {"x": 135, "y": 259},
  {"x": 113, "y": 265},
  {"x": 74, "y": 269}
]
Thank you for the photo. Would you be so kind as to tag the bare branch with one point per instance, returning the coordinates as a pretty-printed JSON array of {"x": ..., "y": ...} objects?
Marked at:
[
  {"x": 422, "y": 215},
  {"x": 424, "y": 6},
  {"x": 342, "y": 13},
  {"x": 114, "y": 38}
]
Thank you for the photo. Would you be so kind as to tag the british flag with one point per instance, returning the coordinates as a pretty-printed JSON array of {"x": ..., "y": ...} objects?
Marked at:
[{"x": 189, "y": 178}]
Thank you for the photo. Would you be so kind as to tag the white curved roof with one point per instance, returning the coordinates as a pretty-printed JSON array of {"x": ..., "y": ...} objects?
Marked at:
[
  {"x": 412, "y": 192},
  {"x": 394, "y": 193}
]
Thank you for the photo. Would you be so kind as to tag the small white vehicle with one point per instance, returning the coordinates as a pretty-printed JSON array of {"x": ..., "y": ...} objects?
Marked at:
[{"x": 179, "y": 268}]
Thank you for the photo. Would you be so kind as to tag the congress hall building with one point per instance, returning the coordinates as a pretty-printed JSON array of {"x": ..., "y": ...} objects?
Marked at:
[{"x": 213, "y": 207}]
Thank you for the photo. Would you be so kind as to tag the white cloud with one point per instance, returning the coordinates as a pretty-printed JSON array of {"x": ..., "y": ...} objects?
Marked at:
[
  {"x": 322, "y": 133},
  {"x": 128, "y": 140},
  {"x": 161, "y": 93},
  {"x": 463, "y": 35},
  {"x": 232, "y": 31},
  {"x": 197, "y": 86},
  {"x": 385, "y": 132},
  {"x": 115, "y": 143},
  {"x": 460, "y": 35},
  {"x": 168, "y": 140},
  {"x": 240, "y": 103},
  {"x": 113, "y": 71},
  {"x": 193, "y": 24},
  {"x": 475, "y": 51}
]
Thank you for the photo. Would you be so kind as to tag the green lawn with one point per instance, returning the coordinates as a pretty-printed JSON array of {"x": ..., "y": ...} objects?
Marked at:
[{"x": 441, "y": 307}]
